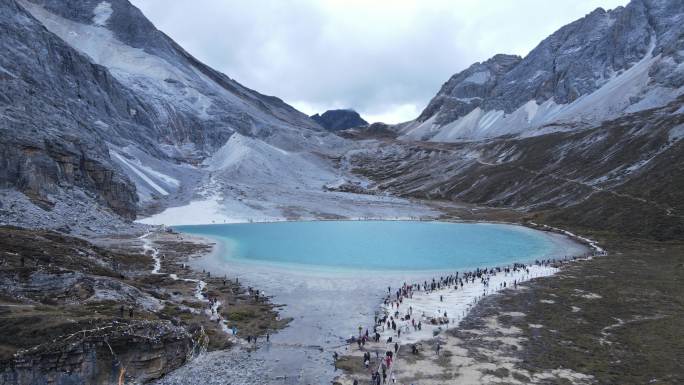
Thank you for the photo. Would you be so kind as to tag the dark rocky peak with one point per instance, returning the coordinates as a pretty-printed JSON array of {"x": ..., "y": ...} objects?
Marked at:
[{"x": 336, "y": 120}]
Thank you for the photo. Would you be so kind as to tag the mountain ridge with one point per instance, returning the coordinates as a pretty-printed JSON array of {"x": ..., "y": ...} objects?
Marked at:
[{"x": 550, "y": 86}]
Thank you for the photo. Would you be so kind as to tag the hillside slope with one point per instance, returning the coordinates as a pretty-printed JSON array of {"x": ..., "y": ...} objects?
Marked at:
[{"x": 624, "y": 175}]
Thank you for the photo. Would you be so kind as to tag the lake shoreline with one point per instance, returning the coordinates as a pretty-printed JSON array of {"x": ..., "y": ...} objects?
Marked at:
[{"x": 201, "y": 263}]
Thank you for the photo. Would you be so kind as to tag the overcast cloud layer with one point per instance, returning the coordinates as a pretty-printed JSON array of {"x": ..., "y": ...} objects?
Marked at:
[{"x": 385, "y": 59}]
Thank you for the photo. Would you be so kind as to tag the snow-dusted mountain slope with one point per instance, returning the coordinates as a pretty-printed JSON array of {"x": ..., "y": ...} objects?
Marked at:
[
  {"x": 180, "y": 90},
  {"x": 102, "y": 108},
  {"x": 600, "y": 67}
]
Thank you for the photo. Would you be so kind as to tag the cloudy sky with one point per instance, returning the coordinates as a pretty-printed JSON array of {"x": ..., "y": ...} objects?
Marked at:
[{"x": 383, "y": 58}]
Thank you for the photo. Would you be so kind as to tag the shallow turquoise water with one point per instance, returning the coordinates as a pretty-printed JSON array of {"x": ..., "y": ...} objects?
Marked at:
[{"x": 368, "y": 245}]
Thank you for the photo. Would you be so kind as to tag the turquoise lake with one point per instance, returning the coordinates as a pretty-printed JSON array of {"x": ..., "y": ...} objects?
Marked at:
[{"x": 374, "y": 245}]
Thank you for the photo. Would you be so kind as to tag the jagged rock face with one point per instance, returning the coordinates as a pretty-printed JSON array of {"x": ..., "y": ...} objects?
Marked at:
[
  {"x": 610, "y": 49},
  {"x": 129, "y": 353},
  {"x": 50, "y": 95},
  {"x": 336, "y": 120},
  {"x": 468, "y": 89},
  {"x": 39, "y": 168}
]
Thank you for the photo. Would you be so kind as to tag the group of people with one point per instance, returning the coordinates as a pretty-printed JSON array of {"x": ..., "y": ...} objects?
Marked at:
[{"x": 396, "y": 319}]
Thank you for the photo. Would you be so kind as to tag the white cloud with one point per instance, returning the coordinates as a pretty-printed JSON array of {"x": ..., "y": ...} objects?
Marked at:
[{"x": 384, "y": 58}]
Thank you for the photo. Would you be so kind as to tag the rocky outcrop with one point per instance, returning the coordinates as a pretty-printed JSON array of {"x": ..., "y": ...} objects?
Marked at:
[
  {"x": 66, "y": 319},
  {"x": 76, "y": 313},
  {"x": 337, "y": 120},
  {"x": 128, "y": 353},
  {"x": 40, "y": 167}
]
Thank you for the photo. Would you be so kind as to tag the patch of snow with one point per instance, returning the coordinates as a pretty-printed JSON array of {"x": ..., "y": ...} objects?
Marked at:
[
  {"x": 468, "y": 100},
  {"x": 137, "y": 171},
  {"x": 102, "y": 13},
  {"x": 7, "y": 72},
  {"x": 102, "y": 125},
  {"x": 536, "y": 75},
  {"x": 531, "y": 108},
  {"x": 638, "y": 165},
  {"x": 677, "y": 132},
  {"x": 478, "y": 77},
  {"x": 514, "y": 314},
  {"x": 211, "y": 210}
]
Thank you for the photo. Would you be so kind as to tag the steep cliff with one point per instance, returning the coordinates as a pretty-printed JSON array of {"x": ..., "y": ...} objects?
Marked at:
[{"x": 50, "y": 95}]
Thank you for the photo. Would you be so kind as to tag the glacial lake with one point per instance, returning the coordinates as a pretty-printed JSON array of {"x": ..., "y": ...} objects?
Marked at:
[
  {"x": 332, "y": 275},
  {"x": 377, "y": 245}
]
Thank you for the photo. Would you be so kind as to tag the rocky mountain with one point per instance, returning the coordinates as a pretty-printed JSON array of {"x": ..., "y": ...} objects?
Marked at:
[
  {"x": 104, "y": 116},
  {"x": 605, "y": 65},
  {"x": 336, "y": 120}
]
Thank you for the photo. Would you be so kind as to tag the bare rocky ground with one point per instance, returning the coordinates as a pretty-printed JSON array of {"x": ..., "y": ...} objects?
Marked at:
[{"x": 61, "y": 302}]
